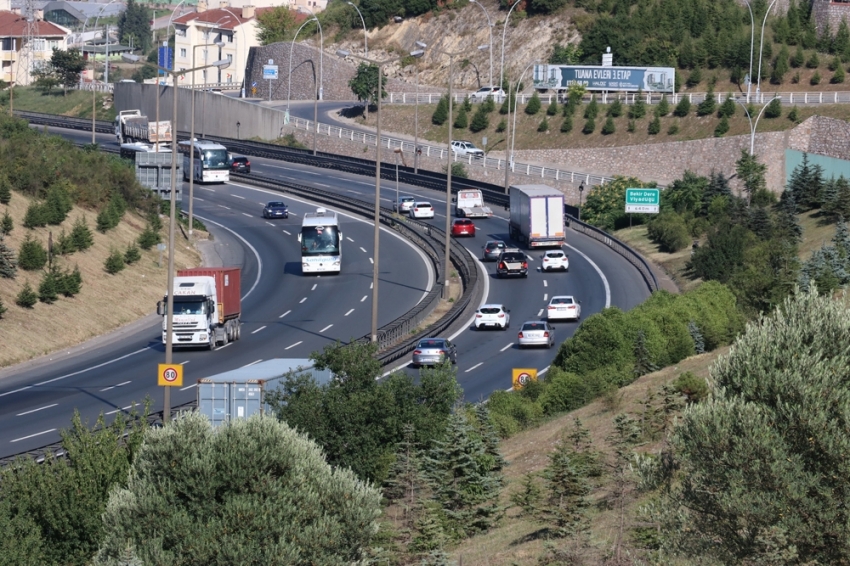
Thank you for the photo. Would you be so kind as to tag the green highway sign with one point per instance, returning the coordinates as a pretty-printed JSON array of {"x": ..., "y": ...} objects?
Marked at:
[{"x": 643, "y": 201}]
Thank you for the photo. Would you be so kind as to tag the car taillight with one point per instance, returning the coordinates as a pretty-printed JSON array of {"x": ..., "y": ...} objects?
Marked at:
[
  {"x": 501, "y": 316},
  {"x": 525, "y": 265},
  {"x": 546, "y": 335},
  {"x": 247, "y": 163},
  {"x": 443, "y": 353},
  {"x": 477, "y": 316},
  {"x": 417, "y": 352},
  {"x": 551, "y": 308},
  {"x": 545, "y": 259},
  {"x": 502, "y": 265},
  {"x": 520, "y": 334}
]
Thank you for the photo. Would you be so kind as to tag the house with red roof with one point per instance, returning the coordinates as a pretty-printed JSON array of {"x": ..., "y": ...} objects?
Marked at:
[{"x": 20, "y": 55}]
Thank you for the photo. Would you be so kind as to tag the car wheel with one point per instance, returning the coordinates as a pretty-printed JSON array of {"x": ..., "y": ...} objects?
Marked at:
[{"x": 525, "y": 275}]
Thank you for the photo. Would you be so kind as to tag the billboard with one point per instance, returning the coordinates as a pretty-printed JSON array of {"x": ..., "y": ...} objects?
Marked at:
[
  {"x": 165, "y": 58},
  {"x": 647, "y": 79}
]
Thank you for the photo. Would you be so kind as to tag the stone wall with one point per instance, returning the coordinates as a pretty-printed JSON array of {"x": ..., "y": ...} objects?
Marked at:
[{"x": 829, "y": 13}]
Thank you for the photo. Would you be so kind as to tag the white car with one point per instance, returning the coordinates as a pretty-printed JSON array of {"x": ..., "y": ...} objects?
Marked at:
[
  {"x": 555, "y": 259},
  {"x": 463, "y": 148},
  {"x": 482, "y": 93},
  {"x": 496, "y": 316},
  {"x": 563, "y": 307},
  {"x": 403, "y": 204},
  {"x": 536, "y": 333},
  {"x": 422, "y": 210}
]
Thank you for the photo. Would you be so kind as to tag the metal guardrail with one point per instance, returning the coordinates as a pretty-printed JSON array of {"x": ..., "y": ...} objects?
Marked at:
[{"x": 628, "y": 253}]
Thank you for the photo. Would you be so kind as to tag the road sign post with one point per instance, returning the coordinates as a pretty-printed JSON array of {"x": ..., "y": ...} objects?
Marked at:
[
  {"x": 643, "y": 201},
  {"x": 270, "y": 74},
  {"x": 523, "y": 376}
]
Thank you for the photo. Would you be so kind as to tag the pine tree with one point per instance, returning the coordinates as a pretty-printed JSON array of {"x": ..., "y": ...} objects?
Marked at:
[
  {"x": 6, "y": 224},
  {"x": 615, "y": 109},
  {"x": 813, "y": 62},
  {"x": 722, "y": 127},
  {"x": 787, "y": 223},
  {"x": 406, "y": 484},
  {"x": 638, "y": 108},
  {"x": 488, "y": 105},
  {"x": 727, "y": 109},
  {"x": 815, "y": 80},
  {"x": 838, "y": 76},
  {"x": 761, "y": 223},
  {"x": 441, "y": 112},
  {"x": 799, "y": 58},
  {"x": 81, "y": 235},
  {"x": 591, "y": 111},
  {"x": 64, "y": 244},
  {"x": 489, "y": 436},
  {"x": 841, "y": 239},
  {"x": 2, "y": 308},
  {"x": 654, "y": 126},
  {"x": 829, "y": 196},
  {"x": 461, "y": 121},
  {"x": 466, "y": 104},
  {"x": 631, "y": 126},
  {"x": 27, "y": 298},
  {"x": 508, "y": 103},
  {"x": 589, "y": 126},
  {"x": 8, "y": 263},
  {"x": 36, "y": 216},
  {"x": 708, "y": 105},
  {"x": 643, "y": 360},
  {"x": 683, "y": 108},
  {"x": 608, "y": 127},
  {"x": 132, "y": 255},
  {"x": 114, "y": 263},
  {"x": 673, "y": 129},
  {"x": 148, "y": 238},
  {"x": 48, "y": 288},
  {"x": 71, "y": 283},
  {"x": 841, "y": 205},
  {"x": 430, "y": 536},
  {"x": 480, "y": 121},
  {"x": 58, "y": 204},
  {"x": 534, "y": 105},
  {"x": 774, "y": 109},
  {"x": 780, "y": 66},
  {"x": 663, "y": 107},
  {"x": 794, "y": 114},
  {"x": 5, "y": 190},
  {"x": 32, "y": 256},
  {"x": 567, "y": 125},
  {"x": 529, "y": 497},
  {"x": 694, "y": 78},
  {"x": 806, "y": 184},
  {"x": 106, "y": 220},
  {"x": 501, "y": 126},
  {"x": 552, "y": 109}
]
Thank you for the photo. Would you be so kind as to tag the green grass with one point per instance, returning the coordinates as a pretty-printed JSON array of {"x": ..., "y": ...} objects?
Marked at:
[{"x": 76, "y": 103}]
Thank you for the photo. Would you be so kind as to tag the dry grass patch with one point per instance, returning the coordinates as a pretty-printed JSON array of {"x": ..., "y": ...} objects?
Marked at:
[
  {"x": 105, "y": 301},
  {"x": 817, "y": 231}
]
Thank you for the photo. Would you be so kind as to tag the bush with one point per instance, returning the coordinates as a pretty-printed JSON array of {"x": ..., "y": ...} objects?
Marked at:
[
  {"x": 441, "y": 112},
  {"x": 27, "y": 298},
  {"x": 543, "y": 127},
  {"x": 774, "y": 109},
  {"x": 552, "y": 109},
  {"x": 608, "y": 128},
  {"x": 615, "y": 109},
  {"x": 565, "y": 391},
  {"x": 722, "y": 127},
  {"x": 132, "y": 255},
  {"x": 114, "y": 263},
  {"x": 511, "y": 410},
  {"x": 673, "y": 129},
  {"x": 480, "y": 121},
  {"x": 638, "y": 108},
  {"x": 592, "y": 109},
  {"x": 693, "y": 387},
  {"x": 838, "y": 76},
  {"x": 81, "y": 235},
  {"x": 707, "y": 106},
  {"x": 36, "y": 216},
  {"x": 683, "y": 108},
  {"x": 599, "y": 341},
  {"x": 813, "y": 62},
  {"x": 713, "y": 308},
  {"x": 6, "y": 224},
  {"x": 669, "y": 231},
  {"x": 567, "y": 125},
  {"x": 589, "y": 126},
  {"x": 5, "y": 190},
  {"x": 461, "y": 120},
  {"x": 148, "y": 238},
  {"x": 70, "y": 283},
  {"x": 727, "y": 109},
  {"x": 459, "y": 170},
  {"x": 501, "y": 126},
  {"x": 794, "y": 115},
  {"x": 534, "y": 105},
  {"x": 48, "y": 289},
  {"x": 654, "y": 126},
  {"x": 32, "y": 255},
  {"x": 694, "y": 78},
  {"x": 663, "y": 107},
  {"x": 815, "y": 80}
]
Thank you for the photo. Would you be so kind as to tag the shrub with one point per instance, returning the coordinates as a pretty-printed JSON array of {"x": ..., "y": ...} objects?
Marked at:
[
  {"x": 132, "y": 255},
  {"x": 693, "y": 387},
  {"x": 654, "y": 126},
  {"x": 511, "y": 405},
  {"x": 70, "y": 283},
  {"x": 81, "y": 235},
  {"x": 114, "y": 263},
  {"x": 722, "y": 127},
  {"x": 592, "y": 109},
  {"x": 727, "y": 109},
  {"x": 669, "y": 231},
  {"x": 565, "y": 391},
  {"x": 638, "y": 108},
  {"x": 441, "y": 112},
  {"x": 543, "y": 126},
  {"x": 608, "y": 128},
  {"x": 567, "y": 125},
  {"x": 27, "y": 298},
  {"x": 813, "y": 62},
  {"x": 461, "y": 120},
  {"x": 673, "y": 129},
  {"x": 774, "y": 109},
  {"x": 32, "y": 255},
  {"x": 5, "y": 190},
  {"x": 663, "y": 107},
  {"x": 501, "y": 126},
  {"x": 683, "y": 108},
  {"x": 488, "y": 105},
  {"x": 480, "y": 121},
  {"x": 838, "y": 76},
  {"x": 148, "y": 238},
  {"x": 663, "y": 311},
  {"x": 48, "y": 289},
  {"x": 36, "y": 216},
  {"x": 707, "y": 106},
  {"x": 815, "y": 80},
  {"x": 713, "y": 308},
  {"x": 794, "y": 115},
  {"x": 534, "y": 105},
  {"x": 599, "y": 341},
  {"x": 6, "y": 224},
  {"x": 694, "y": 78},
  {"x": 589, "y": 126},
  {"x": 459, "y": 170},
  {"x": 552, "y": 109},
  {"x": 615, "y": 109}
]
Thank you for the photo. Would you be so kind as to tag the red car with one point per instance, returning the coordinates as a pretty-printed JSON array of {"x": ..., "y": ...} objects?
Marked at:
[{"x": 463, "y": 227}]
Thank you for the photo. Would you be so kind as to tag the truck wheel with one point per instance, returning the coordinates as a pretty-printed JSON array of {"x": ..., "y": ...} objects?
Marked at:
[
  {"x": 211, "y": 343},
  {"x": 238, "y": 330}
]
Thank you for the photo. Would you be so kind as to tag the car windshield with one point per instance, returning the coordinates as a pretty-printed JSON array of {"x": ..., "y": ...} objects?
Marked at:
[
  {"x": 490, "y": 310},
  {"x": 423, "y": 205},
  {"x": 276, "y": 205},
  {"x": 430, "y": 344},
  {"x": 193, "y": 306},
  {"x": 406, "y": 199},
  {"x": 463, "y": 222},
  {"x": 513, "y": 257},
  {"x": 555, "y": 254},
  {"x": 562, "y": 301},
  {"x": 319, "y": 240},
  {"x": 534, "y": 326},
  {"x": 495, "y": 246}
]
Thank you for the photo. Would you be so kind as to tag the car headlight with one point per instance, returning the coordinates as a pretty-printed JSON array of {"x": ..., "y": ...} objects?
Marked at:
[{"x": 203, "y": 336}]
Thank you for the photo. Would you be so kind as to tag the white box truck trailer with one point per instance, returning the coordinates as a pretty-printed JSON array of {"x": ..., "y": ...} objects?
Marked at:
[{"x": 537, "y": 216}]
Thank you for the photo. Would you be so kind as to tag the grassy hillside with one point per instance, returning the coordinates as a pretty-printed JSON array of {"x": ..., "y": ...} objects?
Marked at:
[{"x": 77, "y": 103}]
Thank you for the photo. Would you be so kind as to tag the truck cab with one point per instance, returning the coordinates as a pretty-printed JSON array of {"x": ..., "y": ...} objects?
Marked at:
[{"x": 470, "y": 204}]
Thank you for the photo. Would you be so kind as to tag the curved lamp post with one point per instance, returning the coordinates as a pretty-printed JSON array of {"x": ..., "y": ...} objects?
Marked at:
[
  {"x": 218, "y": 44},
  {"x": 509, "y": 155},
  {"x": 490, "y": 30},
  {"x": 289, "y": 76},
  {"x": 319, "y": 86},
  {"x": 244, "y": 50},
  {"x": 504, "y": 31},
  {"x": 93, "y": 91},
  {"x": 380, "y": 64},
  {"x": 761, "y": 47},
  {"x": 362, "y": 21},
  {"x": 754, "y": 125},
  {"x": 580, "y": 193}
]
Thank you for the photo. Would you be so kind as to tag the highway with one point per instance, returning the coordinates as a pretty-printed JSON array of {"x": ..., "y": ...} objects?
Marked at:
[{"x": 288, "y": 315}]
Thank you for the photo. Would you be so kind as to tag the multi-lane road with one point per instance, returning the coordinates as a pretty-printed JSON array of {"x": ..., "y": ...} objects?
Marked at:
[{"x": 286, "y": 314}]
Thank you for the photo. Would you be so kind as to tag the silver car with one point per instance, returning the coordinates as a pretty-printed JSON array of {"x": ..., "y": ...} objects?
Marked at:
[
  {"x": 536, "y": 333},
  {"x": 434, "y": 351},
  {"x": 493, "y": 249},
  {"x": 403, "y": 204}
]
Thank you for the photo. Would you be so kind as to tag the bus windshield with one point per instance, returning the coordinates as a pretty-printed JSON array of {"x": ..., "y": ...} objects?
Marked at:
[
  {"x": 215, "y": 158},
  {"x": 319, "y": 240}
]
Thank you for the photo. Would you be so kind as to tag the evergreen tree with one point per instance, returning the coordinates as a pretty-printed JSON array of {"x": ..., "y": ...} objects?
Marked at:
[
  {"x": 838, "y": 76},
  {"x": 592, "y": 109},
  {"x": 673, "y": 129},
  {"x": 683, "y": 108},
  {"x": 58, "y": 204},
  {"x": 841, "y": 41},
  {"x": 543, "y": 127},
  {"x": 8, "y": 263},
  {"x": 615, "y": 109},
  {"x": 36, "y": 216},
  {"x": 751, "y": 173},
  {"x": 430, "y": 536},
  {"x": 114, "y": 263},
  {"x": 643, "y": 359},
  {"x": 509, "y": 103},
  {"x": 48, "y": 288},
  {"x": 480, "y": 121},
  {"x": 567, "y": 125},
  {"x": 727, "y": 109},
  {"x": 461, "y": 121},
  {"x": 132, "y": 255},
  {"x": 841, "y": 205},
  {"x": 780, "y": 66},
  {"x": 787, "y": 222},
  {"x": 829, "y": 195},
  {"x": 64, "y": 244},
  {"x": 488, "y": 105},
  {"x": 694, "y": 78},
  {"x": 799, "y": 58},
  {"x": 608, "y": 127},
  {"x": 654, "y": 126},
  {"x": 806, "y": 184},
  {"x": 148, "y": 238},
  {"x": 722, "y": 127},
  {"x": 70, "y": 283},
  {"x": 567, "y": 489},
  {"x": 774, "y": 109},
  {"x": 631, "y": 126},
  {"x": 534, "y": 105},
  {"x": 638, "y": 108},
  {"x": 106, "y": 220},
  {"x": 27, "y": 298},
  {"x": 5, "y": 190},
  {"x": 81, "y": 235},
  {"x": 708, "y": 105},
  {"x": 441, "y": 112},
  {"x": 697, "y": 337},
  {"x": 552, "y": 109},
  {"x": 489, "y": 436},
  {"x": 501, "y": 126},
  {"x": 813, "y": 62},
  {"x": 6, "y": 224},
  {"x": 406, "y": 484},
  {"x": 32, "y": 256},
  {"x": 466, "y": 104},
  {"x": 794, "y": 115},
  {"x": 3, "y": 309},
  {"x": 718, "y": 186},
  {"x": 841, "y": 239},
  {"x": 815, "y": 80},
  {"x": 663, "y": 107},
  {"x": 761, "y": 223},
  {"x": 589, "y": 126}
]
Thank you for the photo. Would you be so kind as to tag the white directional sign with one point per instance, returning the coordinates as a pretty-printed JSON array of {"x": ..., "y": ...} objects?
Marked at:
[{"x": 270, "y": 72}]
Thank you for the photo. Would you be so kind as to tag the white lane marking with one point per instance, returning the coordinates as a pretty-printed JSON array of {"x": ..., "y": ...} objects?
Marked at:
[
  {"x": 225, "y": 207},
  {"x": 302, "y": 300},
  {"x": 349, "y": 239},
  {"x": 323, "y": 185},
  {"x": 34, "y": 435},
  {"x": 121, "y": 409},
  {"x": 545, "y": 283},
  {"x": 363, "y": 249},
  {"x": 364, "y": 298},
  {"x": 248, "y": 215},
  {"x": 387, "y": 199},
  {"x": 122, "y": 384},
  {"x": 36, "y": 410},
  {"x": 545, "y": 296},
  {"x": 540, "y": 313},
  {"x": 314, "y": 286},
  {"x": 372, "y": 285},
  {"x": 208, "y": 189},
  {"x": 294, "y": 213},
  {"x": 250, "y": 247},
  {"x": 325, "y": 328},
  {"x": 237, "y": 196},
  {"x": 506, "y": 347},
  {"x": 184, "y": 363},
  {"x": 74, "y": 373},
  {"x": 252, "y": 363},
  {"x": 288, "y": 347},
  {"x": 284, "y": 314},
  {"x": 269, "y": 223},
  {"x": 599, "y": 271},
  {"x": 223, "y": 347},
  {"x": 199, "y": 198},
  {"x": 529, "y": 258},
  {"x": 257, "y": 330},
  {"x": 287, "y": 233},
  {"x": 473, "y": 367},
  {"x": 371, "y": 260},
  {"x": 349, "y": 312},
  {"x": 189, "y": 387},
  {"x": 310, "y": 172},
  {"x": 355, "y": 192}
]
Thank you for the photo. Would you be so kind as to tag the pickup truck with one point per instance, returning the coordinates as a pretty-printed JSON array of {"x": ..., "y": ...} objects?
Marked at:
[{"x": 512, "y": 262}]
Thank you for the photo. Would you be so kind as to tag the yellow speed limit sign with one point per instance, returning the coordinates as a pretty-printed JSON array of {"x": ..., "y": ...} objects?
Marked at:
[
  {"x": 521, "y": 377},
  {"x": 170, "y": 375}
]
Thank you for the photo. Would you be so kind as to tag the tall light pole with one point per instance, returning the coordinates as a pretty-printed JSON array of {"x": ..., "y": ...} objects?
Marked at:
[
  {"x": 169, "y": 325},
  {"x": 289, "y": 76},
  {"x": 504, "y": 31},
  {"x": 752, "y": 39},
  {"x": 93, "y": 91},
  {"x": 580, "y": 193},
  {"x": 362, "y": 21},
  {"x": 244, "y": 49},
  {"x": 490, "y": 30},
  {"x": 761, "y": 47},
  {"x": 754, "y": 125},
  {"x": 192, "y": 137},
  {"x": 218, "y": 44},
  {"x": 375, "y": 272},
  {"x": 511, "y": 133},
  {"x": 319, "y": 83},
  {"x": 158, "y": 90},
  {"x": 416, "y": 125}
]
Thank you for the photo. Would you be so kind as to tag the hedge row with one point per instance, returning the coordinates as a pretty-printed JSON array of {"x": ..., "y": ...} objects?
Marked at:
[{"x": 606, "y": 351}]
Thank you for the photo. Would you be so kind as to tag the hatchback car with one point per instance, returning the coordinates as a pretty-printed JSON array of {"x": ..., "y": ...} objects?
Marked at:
[
  {"x": 563, "y": 307},
  {"x": 434, "y": 351},
  {"x": 493, "y": 249},
  {"x": 403, "y": 204},
  {"x": 555, "y": 259},
  {"x": 536, "y": 333},
  {"x": 422, "y": 210},
  {"x": 463, "y": 148},
  {"x": 463, "y": 227},
  {"x": 496, "y": 316},
  {"x": 240, "y": 165},
  {"x": 276, "y": 210},
  {"x": 482, "y": 93},
  {"x": 512, "y": 262}
]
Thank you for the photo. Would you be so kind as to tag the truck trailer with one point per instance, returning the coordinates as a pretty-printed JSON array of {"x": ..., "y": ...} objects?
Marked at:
[
  {"x": 470, "y": 204},
  {"x": 207, "y": 307},
  {"x": 537, "y": 216},
  {"x": 133, "y": 126}
]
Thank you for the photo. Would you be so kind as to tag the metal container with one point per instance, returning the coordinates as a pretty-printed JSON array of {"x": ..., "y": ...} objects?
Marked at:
[
  {"x": 227, "y": 287},
  {"x": 153, "y": 170},
  {"x": 240, "y": 393}
]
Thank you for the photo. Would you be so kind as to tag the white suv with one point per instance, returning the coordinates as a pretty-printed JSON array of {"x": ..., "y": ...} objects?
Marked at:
[
  {"x": 464, "y": 148},
  {"x": 496, "y": 316}
]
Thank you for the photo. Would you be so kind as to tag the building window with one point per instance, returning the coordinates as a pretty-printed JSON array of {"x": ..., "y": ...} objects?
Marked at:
[
  {"x": 183, "y": 52},
  {"x": 7, "y": 43},
  {"x": 230, "y": 38},
  {"x": 39, "y": 45}
]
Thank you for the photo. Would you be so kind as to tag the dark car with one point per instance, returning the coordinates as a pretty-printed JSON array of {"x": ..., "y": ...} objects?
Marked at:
[
  {"x": 240, "y": 165},
  {"x": 276, "y": 210},
  {"x": 512, "y": 262}
]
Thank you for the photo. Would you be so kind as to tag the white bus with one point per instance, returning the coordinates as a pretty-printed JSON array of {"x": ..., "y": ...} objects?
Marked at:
[
  {"x": 321, "y": 242},
  {"x": 211, "y": 161}
]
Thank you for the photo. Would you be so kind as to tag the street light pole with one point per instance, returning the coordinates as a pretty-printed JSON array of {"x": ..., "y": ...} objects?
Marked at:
[
  {"x": 580, "y": 192},
  {"x": 761, "y": 47},
  {"x": 244, "y": 48},
  {"x": 755, "y": 125},
  {"x": 318, "y": 94},
  {"x": 416, "y": 126},
  {"x": 752, "y": 39},
  {"x": 489, "y": 29},
  {"x": 362, "y": 21},
  {"x": 504, "y": 31},
  {"x": 511, "y": 131},
  {"x": 289, "y": 76},
  {"x": 106, "y": 76}
]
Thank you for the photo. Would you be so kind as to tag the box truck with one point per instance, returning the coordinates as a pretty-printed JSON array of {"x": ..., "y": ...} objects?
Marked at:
[
  {"x": 133, "y": 126},
  {"x": 537, "y": 215},
  {"x": 207, "y": 307},
  {"x": 470, "y": 204}
]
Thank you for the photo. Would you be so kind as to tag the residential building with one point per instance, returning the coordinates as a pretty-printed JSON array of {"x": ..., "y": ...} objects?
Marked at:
[{"x": 19, "y": 55}]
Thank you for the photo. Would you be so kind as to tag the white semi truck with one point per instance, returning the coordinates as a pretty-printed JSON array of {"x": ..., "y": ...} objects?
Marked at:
[
  {"x": 132, "y": 126},
  {"x": 537, "y": 215},
  {"x": 470, "y": 204}
]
